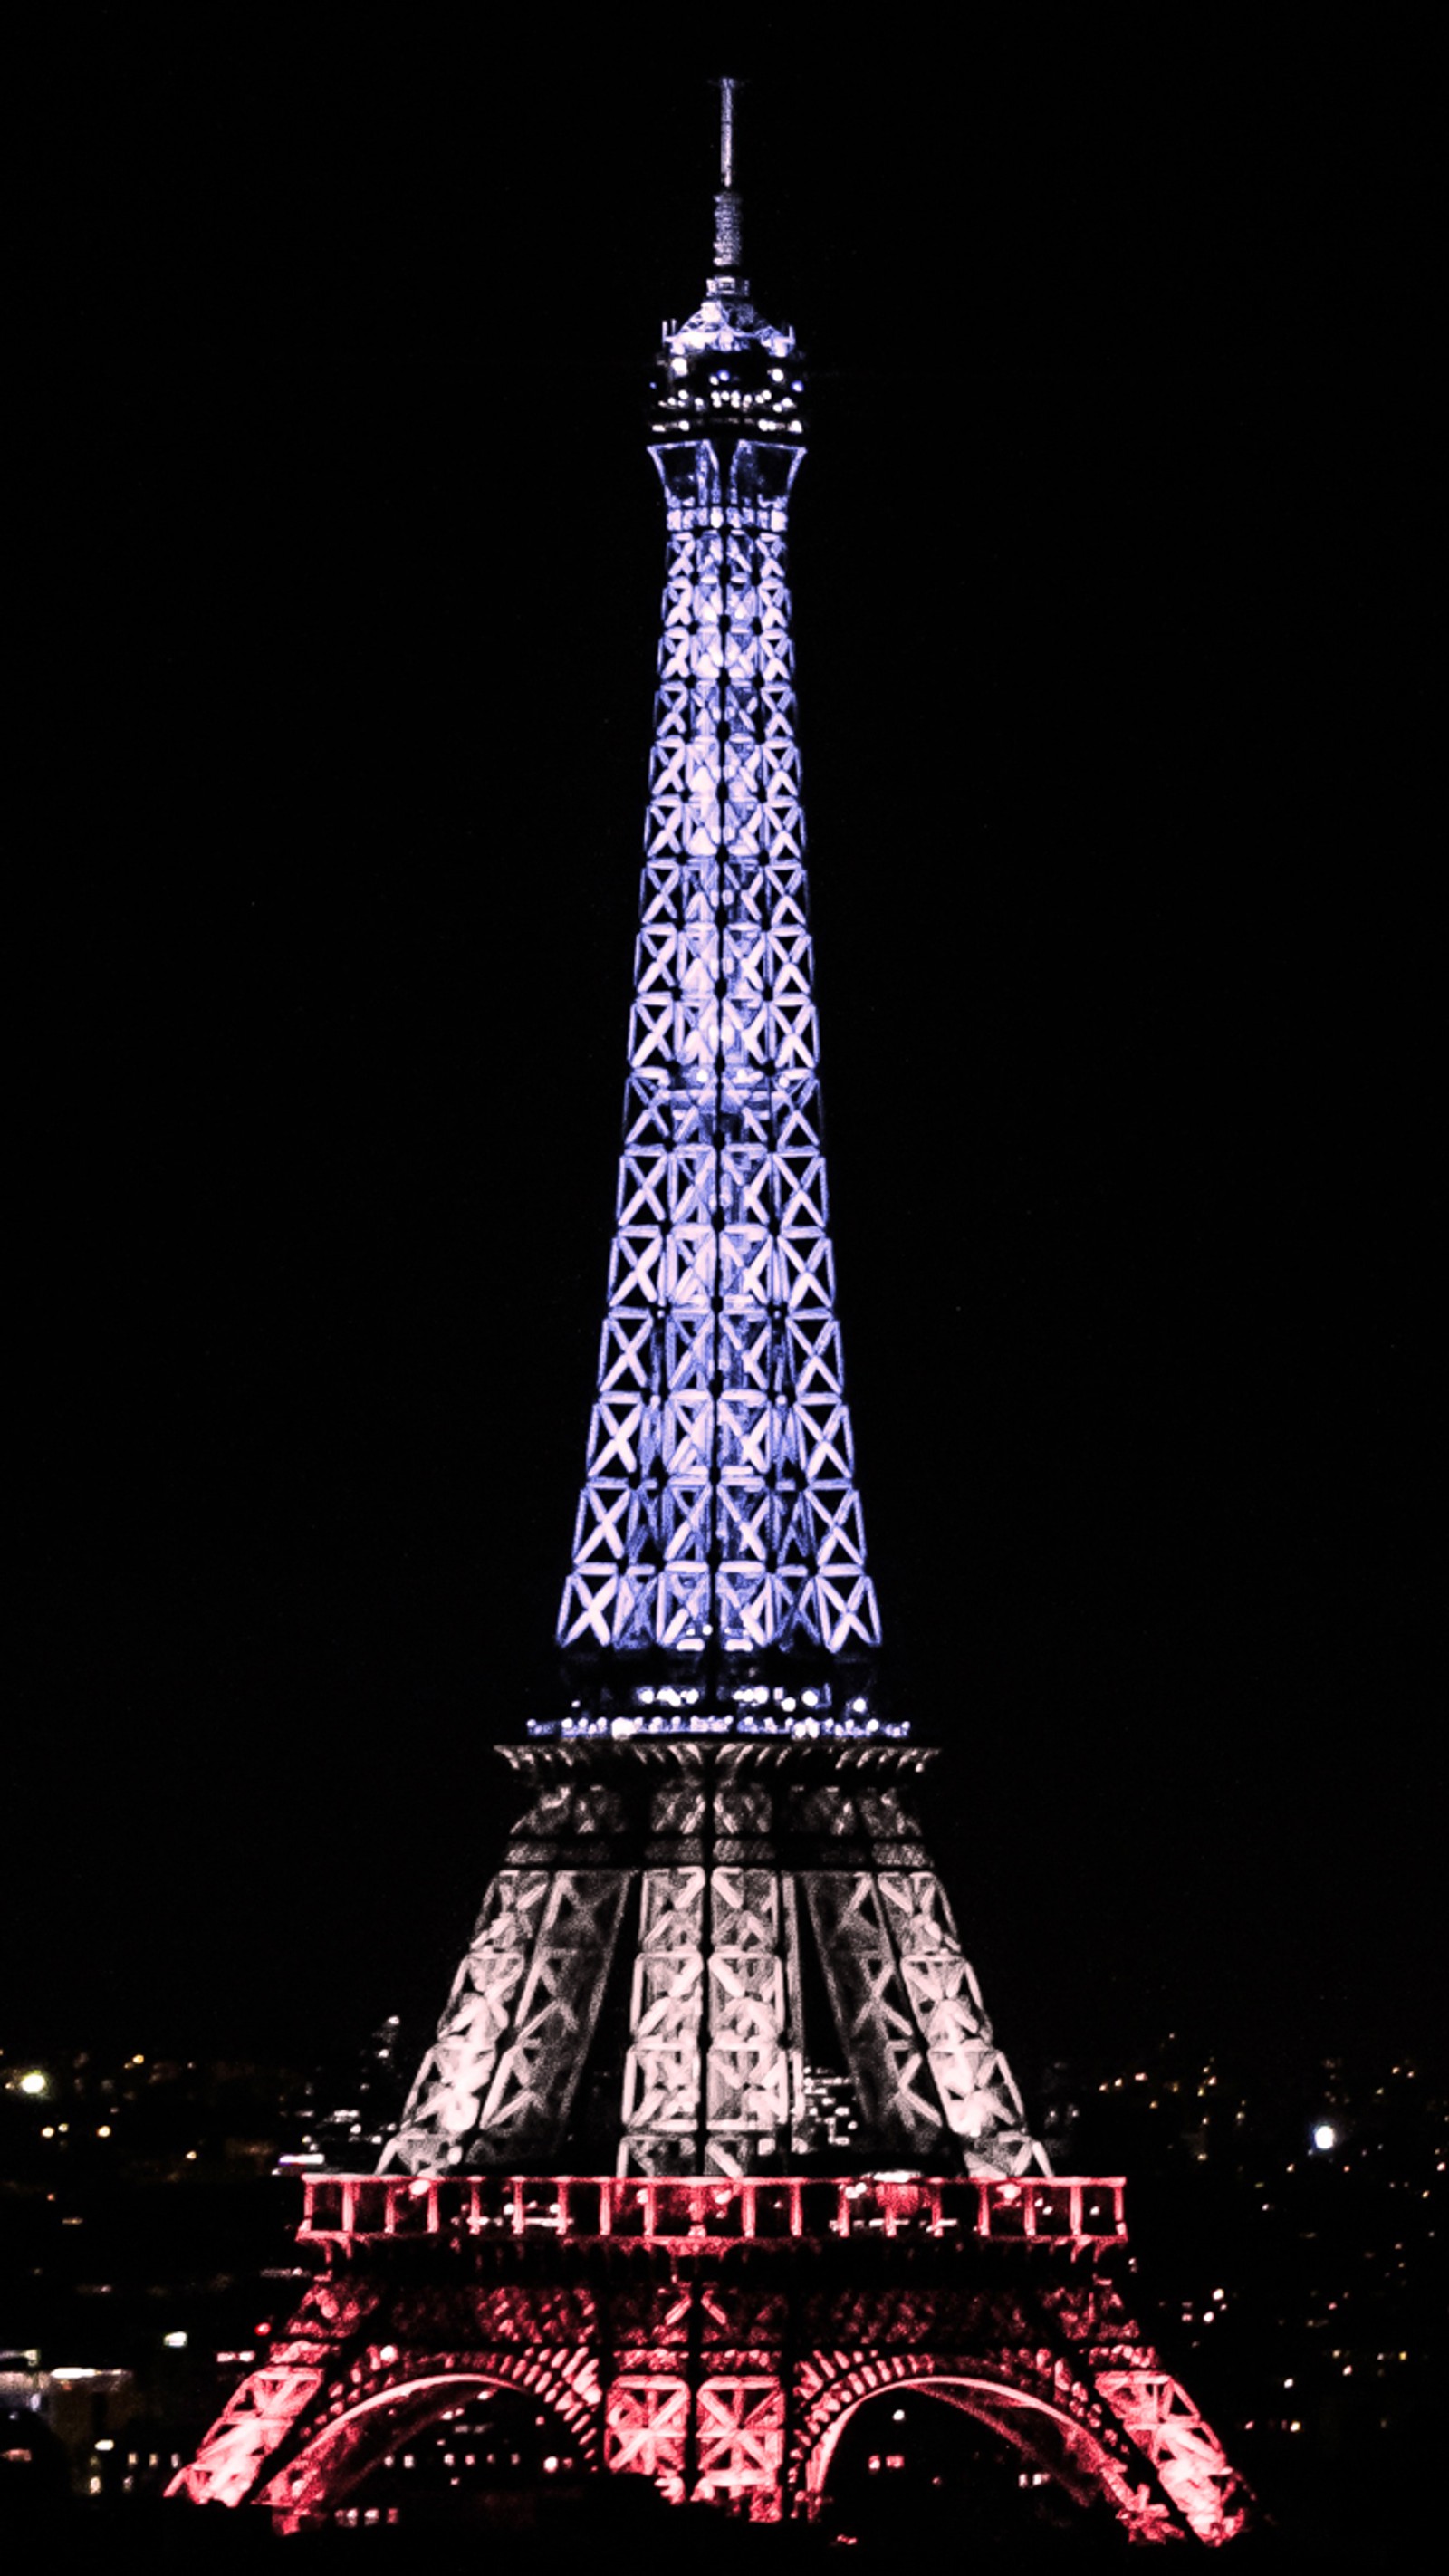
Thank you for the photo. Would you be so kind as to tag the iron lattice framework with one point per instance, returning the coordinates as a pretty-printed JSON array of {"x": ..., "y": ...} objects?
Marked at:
[
  {"x": 747, "y": 1914},
  {"x": 717, "y": 1968},
  {"x": 719, "y": 1508}
]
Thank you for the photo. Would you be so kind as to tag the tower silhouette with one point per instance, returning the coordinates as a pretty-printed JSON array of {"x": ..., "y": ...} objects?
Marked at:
[{"x": 714, "y": 2140}]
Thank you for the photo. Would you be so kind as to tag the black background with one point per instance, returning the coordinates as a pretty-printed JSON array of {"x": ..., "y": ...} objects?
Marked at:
[{"x": 1113, "y": 621}]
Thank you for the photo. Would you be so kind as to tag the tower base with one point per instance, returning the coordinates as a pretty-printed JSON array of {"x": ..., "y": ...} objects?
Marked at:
[{"x": 717, "y": 2336}]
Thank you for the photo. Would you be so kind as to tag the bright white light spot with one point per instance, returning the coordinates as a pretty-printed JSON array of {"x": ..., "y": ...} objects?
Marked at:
[
  {"x": 1325, "y": 2137},
  {"x": 105, "y": 2444},
  {"x": 388, "y": 2352},
  {"x": 32, "y": 2081},
  {"x": 175, "y": 2342},
  {"x": 551, "y": 2463}
]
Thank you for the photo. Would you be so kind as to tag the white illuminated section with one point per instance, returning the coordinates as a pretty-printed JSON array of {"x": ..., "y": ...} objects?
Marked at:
[{"x": 1325, "y": 2138}]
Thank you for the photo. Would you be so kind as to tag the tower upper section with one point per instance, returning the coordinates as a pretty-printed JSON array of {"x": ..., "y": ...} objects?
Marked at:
[
  {"x": 726, "y": 371},
  {"x": 718, "y": 1581}
]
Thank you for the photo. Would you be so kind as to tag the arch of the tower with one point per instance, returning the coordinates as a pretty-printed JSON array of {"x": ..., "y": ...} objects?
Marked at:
[
  {"x": 1041, "y": 2431},
  {"x": 412, "y": 2394}
]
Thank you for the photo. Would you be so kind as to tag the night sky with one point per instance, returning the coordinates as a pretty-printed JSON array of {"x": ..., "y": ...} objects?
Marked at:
[{"x": 342, "y": 560}]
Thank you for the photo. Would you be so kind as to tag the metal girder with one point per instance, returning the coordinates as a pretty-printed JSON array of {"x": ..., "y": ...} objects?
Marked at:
[
  {"x": 731, "y": 2425},
  {"x": 910, "y": 2021},
  {"x": 740, "y": 2442},
  {"x": 501, "y": 2074},
  {"x": 257, "y": 2419},
  {"x": 748, "y": 2092},
  {"x": 1191, "y": 2464},
  {"x": 662, "y": 2068},
  {"x": 708, "y": 2074}
]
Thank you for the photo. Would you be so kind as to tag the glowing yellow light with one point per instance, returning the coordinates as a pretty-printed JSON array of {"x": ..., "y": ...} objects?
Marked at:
[{"x": 33, "y": 2081}]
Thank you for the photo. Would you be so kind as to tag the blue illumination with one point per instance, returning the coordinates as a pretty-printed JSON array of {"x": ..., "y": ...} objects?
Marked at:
[{"x": 719, "y": 1503}]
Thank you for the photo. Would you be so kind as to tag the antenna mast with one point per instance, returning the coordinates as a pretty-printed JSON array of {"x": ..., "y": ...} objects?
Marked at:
[{"x": 728, "y": 234}]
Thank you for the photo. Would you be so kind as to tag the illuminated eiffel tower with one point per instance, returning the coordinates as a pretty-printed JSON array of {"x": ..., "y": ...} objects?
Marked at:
[{"x": 714, "y": 2141}]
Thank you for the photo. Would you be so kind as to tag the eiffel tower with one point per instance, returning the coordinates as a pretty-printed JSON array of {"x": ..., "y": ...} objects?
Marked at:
[{"x": 714, "y": 2142}]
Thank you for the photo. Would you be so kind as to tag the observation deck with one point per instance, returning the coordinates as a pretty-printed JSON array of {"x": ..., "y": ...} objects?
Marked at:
[{"x": 1072, "y": 2212}]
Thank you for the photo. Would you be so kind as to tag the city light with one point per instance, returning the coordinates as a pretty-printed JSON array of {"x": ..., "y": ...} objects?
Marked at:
[
  {"x": 1325, "y": 2137},
  {"x": 34, "y": 2082}
]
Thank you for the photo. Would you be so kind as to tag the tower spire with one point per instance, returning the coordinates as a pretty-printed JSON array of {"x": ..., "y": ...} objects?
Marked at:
[
  {"x": 727, "y": 90},
  {"x": 728, "y": 233}
]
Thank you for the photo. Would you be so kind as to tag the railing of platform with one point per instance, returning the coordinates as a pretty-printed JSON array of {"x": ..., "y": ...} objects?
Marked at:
[{"x": 1065, "y": 2210}]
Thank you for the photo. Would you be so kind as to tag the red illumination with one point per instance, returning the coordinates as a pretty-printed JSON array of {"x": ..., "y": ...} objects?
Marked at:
[
  {"x": 710, "y": 2387},
  {"x": 360, "y": 2209}
]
